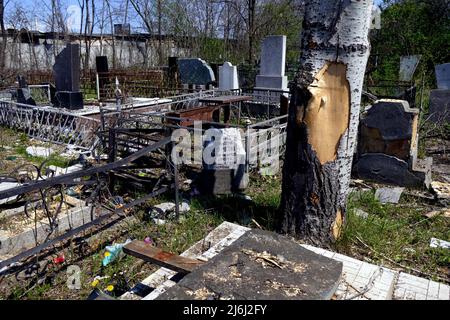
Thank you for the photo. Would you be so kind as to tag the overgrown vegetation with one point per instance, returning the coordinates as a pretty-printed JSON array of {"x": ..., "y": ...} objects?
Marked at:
[
  {"x": 13, "y": 145},
  {"x": 411, "y": 27},
  {"x": 396, "y": 235}
]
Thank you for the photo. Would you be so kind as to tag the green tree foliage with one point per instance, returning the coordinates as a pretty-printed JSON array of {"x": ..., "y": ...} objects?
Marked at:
[{"x": 411, "y": 27}]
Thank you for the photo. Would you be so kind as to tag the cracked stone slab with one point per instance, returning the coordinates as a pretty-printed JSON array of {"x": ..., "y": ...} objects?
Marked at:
[
  {"x": 389, "y": 195},
  {"x": 277, "y": 268}
]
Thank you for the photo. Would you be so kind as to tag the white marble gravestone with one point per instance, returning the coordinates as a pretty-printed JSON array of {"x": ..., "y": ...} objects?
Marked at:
[
  {"x": 273, "y": 64},
  {"x": 228, "y": 77}
]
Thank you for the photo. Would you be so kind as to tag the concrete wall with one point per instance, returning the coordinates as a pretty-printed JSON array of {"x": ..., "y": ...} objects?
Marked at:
[{"x": 33, "y": 56}]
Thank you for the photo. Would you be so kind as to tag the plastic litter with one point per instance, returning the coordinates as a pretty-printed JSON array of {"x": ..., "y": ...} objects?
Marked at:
[
  {"x": 113, "y": 252},
  {"x": 59, "y": 260}
]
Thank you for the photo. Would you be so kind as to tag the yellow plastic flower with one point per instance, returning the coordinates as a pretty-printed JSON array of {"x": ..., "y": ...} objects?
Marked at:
[
  {"x": 110, "y": 288},
  {"x": 95, "y": 283}
]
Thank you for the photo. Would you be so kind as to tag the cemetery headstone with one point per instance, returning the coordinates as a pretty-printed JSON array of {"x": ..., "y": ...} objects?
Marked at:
[
  {"x": 440, "y": 106},
  {"x": 23, "y": 93},
  {"x": 261, "y": 265},
  {"x": 195, "y": 71},
  {"x": 101, "y": 63},
  {"x": 408, "y": 66},
  {"x": 273, "y": 64},
  {"x": 443, "y": 76},
  {"x": 67, "y": 78},
  {"x": 173, "y": 71},
  {"x": 388, "y": 144},
  {"x": 228, "y": 77}
]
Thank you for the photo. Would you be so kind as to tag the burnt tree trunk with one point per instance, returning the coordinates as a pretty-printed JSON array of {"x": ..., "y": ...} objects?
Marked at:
[{"x": 323, "y": 118}]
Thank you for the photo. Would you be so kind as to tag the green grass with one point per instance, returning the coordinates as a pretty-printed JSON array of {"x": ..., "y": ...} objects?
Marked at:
[
  {"x": 398, "y": 232},
  {"x": 395, "y": 232},
  {"x": 52, "y": 160}
]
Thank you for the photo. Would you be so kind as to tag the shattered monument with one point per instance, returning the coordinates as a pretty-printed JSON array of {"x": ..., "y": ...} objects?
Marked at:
[
  {"x": 387, "y": 146},
  {"x": 23, "y": 93}
]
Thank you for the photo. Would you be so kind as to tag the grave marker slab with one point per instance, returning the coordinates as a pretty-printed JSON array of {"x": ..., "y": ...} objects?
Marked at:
[
  {"x": 23, "y": 93},
  {"x": 388, "y": 144},
  {"x": 440, "y": 106},
  {"x": 261, "y": 265},
  {"x": 66, "y": 71},
  {"x": 273, "y": 64},
  {"x": 443, "y": 76},
  {"x": 195, "y": 71},
  {"x": 228, "y": 77}
]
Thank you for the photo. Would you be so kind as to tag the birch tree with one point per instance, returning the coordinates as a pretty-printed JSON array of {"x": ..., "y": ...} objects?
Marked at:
[{"x": 323, "y": 118}]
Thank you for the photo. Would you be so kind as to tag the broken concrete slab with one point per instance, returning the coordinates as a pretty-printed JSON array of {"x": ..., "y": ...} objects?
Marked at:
[
  {"x": 276, "y": 266},
  {"x": 43, "y": 152},
  {"x": 442, "y": 191},
  {"x": 437, "y": 213},
  {"x": 6, "y": 186},
  {"x": 437, "y": 243},
  {"x": 11, "y": 244},
  {"x": 361, "y": 213},
  {"x": 165, "y": 209},
  {"x": 389, "y": 195},
  {"x": 60, "y": 171}
]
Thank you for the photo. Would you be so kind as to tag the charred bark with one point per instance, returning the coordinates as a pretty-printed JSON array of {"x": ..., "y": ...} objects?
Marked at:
[{"x": 323, "y": 118}]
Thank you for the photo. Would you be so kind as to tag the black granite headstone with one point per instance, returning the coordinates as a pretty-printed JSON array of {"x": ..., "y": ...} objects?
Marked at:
[
  {"x": 173, "y": 71},
  {"x": 440, "y": 106},
  {"x": 67, "y": 78},
  {"x": 102, "y": 71},
  {"x": 23, "y": 93},
  {"x": 67, "y": 69},
  {"x": 69, "y": 100},
  {"x": 101, "y": 63}
]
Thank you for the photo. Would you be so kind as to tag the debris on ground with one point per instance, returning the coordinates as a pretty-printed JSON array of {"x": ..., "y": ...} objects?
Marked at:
[
  {"x": 442, "y": 191},
  {"x": 113, "y": 252},
  {"x": 389, "y": 195},
  {"x": 436, "y": 243},
  {"x": 361, "y": 213},
  {"x": 36, "y": 151},
  {"x": 444, "y": 213},
  {"x": 167, "y": 210}
]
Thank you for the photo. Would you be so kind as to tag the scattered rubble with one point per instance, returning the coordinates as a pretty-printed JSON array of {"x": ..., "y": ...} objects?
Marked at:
[
  {"x": 167, "y": 209},
  {"x": 445, "y": 213},
  {"x": 436, "y": 243},
  {"x": 361, "y": 213},
  {"x": 442, "y": 191},
  {"x": 389, "y": 195},
  {"x": 43, "y": 152}
]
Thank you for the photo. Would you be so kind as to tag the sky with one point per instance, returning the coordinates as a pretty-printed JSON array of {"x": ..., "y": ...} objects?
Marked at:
[{"x": 73, "y": 12}]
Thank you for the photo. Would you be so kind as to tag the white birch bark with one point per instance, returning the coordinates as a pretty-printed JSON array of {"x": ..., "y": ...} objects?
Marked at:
[{"x": 324, "y": 117}]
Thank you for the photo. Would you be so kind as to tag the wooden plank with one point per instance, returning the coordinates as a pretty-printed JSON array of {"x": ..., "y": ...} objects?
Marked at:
[{"x": 148, "y": 253}]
